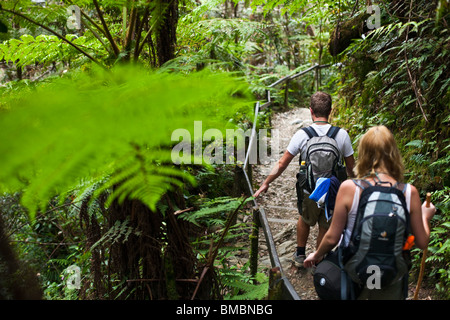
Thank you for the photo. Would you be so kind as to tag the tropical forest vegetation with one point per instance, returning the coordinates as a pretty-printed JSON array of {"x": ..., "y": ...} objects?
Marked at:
[{"x": 92, "y": 205}]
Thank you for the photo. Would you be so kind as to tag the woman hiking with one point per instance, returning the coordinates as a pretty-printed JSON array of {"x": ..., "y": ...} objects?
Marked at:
[{"x": 379, "y": 162}]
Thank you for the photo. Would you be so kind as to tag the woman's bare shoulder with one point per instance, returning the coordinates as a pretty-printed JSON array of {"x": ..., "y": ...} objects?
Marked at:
[{"x": 348, "y": 185}]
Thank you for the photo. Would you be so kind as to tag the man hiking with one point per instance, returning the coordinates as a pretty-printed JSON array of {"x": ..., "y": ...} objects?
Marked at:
[{"x": 310, "y": 213}]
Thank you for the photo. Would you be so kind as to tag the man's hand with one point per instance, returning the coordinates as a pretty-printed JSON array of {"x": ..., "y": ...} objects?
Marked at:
[
  {"x": 264, "y": 187},
  {"x": 276, "y": 171}
]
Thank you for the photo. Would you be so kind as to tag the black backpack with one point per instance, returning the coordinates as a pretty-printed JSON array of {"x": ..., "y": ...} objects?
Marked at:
[
  {"x": 327, "y": 277},
  {"x": 381, "y": 228}
]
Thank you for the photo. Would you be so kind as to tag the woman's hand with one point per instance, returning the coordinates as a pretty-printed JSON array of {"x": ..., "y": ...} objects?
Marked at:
[
  {"x": 428, "y": 212},
  {"x": 311, "y": 260}
]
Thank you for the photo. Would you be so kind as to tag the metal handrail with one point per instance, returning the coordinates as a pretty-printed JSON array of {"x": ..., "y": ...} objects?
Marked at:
[
  {"x": 282, "y": 80},
  {"x": 288, "y": 291}
]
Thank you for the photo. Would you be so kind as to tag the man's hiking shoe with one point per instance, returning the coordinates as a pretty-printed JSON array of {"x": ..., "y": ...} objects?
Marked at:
[{"x": 298, "y": 260}]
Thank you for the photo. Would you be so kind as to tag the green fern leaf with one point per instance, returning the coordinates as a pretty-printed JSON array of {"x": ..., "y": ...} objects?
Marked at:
[{"x": 114, "y": 127}]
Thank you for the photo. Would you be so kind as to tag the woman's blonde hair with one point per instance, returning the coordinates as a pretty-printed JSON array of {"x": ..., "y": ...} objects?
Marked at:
[{"x": 378, "y": 152}]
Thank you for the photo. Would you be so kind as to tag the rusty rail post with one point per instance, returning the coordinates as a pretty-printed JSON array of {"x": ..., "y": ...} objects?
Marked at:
[{"x": 275, "y": 284}]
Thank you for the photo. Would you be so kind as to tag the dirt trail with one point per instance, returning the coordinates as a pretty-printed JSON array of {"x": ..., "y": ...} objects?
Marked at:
[{"x": 280, "y": 204}]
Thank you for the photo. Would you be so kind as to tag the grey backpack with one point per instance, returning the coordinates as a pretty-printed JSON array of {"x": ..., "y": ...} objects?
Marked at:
[
  {"x": 323, "y": 158},
  {"x": 381, "y": 227}
]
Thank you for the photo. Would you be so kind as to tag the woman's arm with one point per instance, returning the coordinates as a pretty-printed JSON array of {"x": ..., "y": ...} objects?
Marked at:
[{"x": 344, "y": 200}]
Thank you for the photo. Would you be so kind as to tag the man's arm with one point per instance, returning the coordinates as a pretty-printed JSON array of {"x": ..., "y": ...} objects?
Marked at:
[
  {"x": 350, "y": 164},
  {"x": 276, "y": 172}
]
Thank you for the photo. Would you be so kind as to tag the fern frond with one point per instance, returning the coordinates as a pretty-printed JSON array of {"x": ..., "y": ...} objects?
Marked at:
[
  {"x": 210, "y": 209},
  {"x": 113, "y": 127},
  {"x": 249, "y": 291},
  {"x": 242, "y": 288},
  {"x": 120, "y": 231},
  {"x": 415, "y": 143}
]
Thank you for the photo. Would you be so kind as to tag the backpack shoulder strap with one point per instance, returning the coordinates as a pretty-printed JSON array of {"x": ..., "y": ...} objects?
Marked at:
[
  {"x": 310, "y": 132},
  {"x": 363, "y": 184},
  {"x": 332, "y": 132},
  {"x": 401, "y": 186}
]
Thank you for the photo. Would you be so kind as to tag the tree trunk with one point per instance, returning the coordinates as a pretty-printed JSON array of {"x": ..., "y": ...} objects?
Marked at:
[
  {"x": 166, "y": 38},
  {"x": 155, "y": 260},
  {"x": 17, "y": 281}
]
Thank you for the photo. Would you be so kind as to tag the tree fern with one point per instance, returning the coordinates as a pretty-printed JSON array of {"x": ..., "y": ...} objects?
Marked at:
[{"x": 113, "y": 128}]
